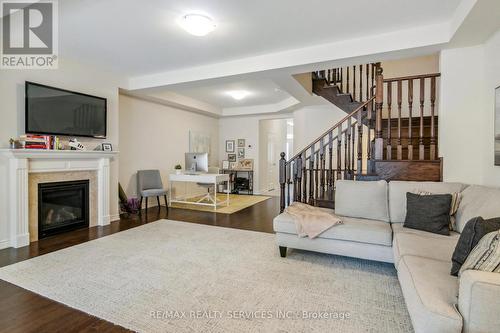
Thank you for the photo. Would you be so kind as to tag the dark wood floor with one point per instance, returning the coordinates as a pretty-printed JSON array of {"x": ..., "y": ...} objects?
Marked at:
[{"x": 24, "y": 311}]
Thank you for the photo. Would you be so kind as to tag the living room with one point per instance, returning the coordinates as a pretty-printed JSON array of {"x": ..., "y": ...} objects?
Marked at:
[{"x": 200, "y": 99}]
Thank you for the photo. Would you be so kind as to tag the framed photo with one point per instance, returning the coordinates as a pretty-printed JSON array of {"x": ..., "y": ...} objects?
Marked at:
[
  {"x": 241, "y": 153},
  {"x": 229, "y": 146},
  {"x": 225, "y": 165},
  {"x": 233, "y": 165},
  {"x": 245, "y": 164},
  {"x": 107, "y": 147},
  {"x": 241, "y": 143},
  {"x": 497, "y": 126},
  {"x": 231, "y": 157}
]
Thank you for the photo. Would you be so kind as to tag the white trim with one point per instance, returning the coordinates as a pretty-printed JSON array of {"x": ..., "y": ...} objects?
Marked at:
[
  {"x": 4, "y": 244},
  {"x": 114, "y": 217}
]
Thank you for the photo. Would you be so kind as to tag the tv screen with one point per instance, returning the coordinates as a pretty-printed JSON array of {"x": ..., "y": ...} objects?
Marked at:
[{"x": 56, "y": 111}]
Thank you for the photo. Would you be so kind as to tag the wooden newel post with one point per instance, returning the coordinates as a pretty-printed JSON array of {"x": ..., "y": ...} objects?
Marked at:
[
  {"x": 379, "y": 101},
  {"x": 282, "y": 174}
]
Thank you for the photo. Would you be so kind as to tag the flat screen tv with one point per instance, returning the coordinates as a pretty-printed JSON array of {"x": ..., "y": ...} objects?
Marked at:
[{"x": 57, "y": 111}]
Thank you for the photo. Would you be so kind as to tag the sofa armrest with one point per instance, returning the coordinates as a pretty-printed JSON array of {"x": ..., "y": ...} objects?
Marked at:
[{"x": 479, "y": 301}]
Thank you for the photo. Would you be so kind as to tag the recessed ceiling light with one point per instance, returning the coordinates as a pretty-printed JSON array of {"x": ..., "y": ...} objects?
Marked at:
[
  {"x": 197, "y": 24},
  {"x": 238, "y": 94}
]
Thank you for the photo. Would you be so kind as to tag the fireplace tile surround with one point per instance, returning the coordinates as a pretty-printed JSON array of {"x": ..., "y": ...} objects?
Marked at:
[{"x": 26, "y": 168}]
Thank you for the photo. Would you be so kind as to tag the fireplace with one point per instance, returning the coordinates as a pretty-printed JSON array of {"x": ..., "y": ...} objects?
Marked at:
[{"x": 62, "y": 206}]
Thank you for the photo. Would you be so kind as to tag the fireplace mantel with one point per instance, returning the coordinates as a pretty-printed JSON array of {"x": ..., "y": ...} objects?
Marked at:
[{"x": 19, "y": 163}]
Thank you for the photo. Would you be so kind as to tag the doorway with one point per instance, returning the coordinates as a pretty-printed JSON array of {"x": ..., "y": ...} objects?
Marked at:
[{"x": 275, "y": 136}]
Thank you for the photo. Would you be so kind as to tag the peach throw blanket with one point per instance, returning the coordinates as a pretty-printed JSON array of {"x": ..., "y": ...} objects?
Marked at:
[{"x": 311, "y": 221}]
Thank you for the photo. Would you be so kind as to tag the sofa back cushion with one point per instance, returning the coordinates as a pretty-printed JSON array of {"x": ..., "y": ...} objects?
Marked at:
[
  {"x": 478, "y": 201},
  {"x": 398, "y": 190},
  {"x": 363, "y": 199}
]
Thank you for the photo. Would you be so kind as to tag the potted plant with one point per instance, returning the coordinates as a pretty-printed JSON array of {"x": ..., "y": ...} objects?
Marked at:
[{"x": 178, "y": 169}]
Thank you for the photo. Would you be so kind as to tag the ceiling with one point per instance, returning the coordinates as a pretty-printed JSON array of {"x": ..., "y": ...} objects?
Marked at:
[
  {"x": 143, "y": 37},
  {"x": 261, "y": 91}
]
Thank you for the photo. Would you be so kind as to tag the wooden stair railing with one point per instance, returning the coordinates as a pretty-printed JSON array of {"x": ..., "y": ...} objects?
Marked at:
[
  {"x": 339, "y": 153},
  {"x": 360, "y": 146}
]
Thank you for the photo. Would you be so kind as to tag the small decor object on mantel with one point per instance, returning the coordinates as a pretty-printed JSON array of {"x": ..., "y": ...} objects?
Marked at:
[
  {"x": 107, "y": 147},
  {"x": 75, "y": 145},
  {"x": 229, "y": 146},
  {"x": 233, "y": 165},
  {"x": 241, "y": 143},
  {"x": 12, "y": 144},
  {"x": 178, "y": 169},
  {"x": 231, "y": 157}
]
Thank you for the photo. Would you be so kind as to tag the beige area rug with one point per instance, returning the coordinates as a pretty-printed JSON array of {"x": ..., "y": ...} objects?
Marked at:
[
  {"x": 237, "y": 202},
  {"x": 170, "y": 276}
]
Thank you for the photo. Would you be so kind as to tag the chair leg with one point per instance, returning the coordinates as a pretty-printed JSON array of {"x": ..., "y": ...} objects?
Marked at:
[
  {"x": 147, "y": 205},
  {"x": 158, "y": 200},
  {"x": 140, "y": 206},
  {"x": 166, "y": 203}
]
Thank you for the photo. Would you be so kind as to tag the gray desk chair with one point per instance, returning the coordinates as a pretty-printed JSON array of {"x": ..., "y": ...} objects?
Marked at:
[
  {"x": 149, "y": 184},
  {"x": 209, "y": 196}
]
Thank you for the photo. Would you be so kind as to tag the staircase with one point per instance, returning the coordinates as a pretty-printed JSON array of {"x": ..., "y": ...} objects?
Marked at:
[{"x": 383, "y": 135}]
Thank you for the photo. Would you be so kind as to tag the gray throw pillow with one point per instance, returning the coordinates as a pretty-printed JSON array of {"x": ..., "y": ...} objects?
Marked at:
[
  {"x": 428, "y": 212},
  {"x": 472, "y": 233}
]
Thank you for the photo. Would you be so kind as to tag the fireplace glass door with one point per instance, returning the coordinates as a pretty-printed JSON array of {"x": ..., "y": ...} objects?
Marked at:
[{"x": 62, "y": 206}]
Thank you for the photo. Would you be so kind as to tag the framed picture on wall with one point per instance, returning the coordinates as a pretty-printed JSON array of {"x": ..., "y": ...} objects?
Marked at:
[
  {"x": 233, "y": 165},
  {"x": 229, "y": 146},
  {"x": 231, "y": 157},
  {"x": 497, "y": 126},
  {"x": 241, "y": 143},
  {"x": 241, "y": 153},
  {"x": 225, "y": 165}
]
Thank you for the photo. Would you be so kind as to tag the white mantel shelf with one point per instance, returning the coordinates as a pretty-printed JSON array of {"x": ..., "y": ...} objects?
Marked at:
[
  {"x": 46, "y": 153},
  {"x": 19, "y": 163}
]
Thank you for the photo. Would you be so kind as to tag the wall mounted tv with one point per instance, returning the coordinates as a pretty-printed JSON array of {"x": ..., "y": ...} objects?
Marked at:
[{"x": 57, "y": 111}]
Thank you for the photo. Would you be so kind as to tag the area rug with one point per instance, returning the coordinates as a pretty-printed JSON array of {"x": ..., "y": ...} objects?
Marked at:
[
  {"x": 237, "y": 202},
  {"x": 170, "y": 276}
]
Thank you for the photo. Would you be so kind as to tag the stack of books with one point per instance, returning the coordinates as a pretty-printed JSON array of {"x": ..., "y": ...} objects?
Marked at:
[{"x": 33, "y": 141}]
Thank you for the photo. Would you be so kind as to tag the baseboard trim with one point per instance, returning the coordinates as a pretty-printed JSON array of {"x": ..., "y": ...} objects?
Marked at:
[
  {"x": 114, "y": 217},
  {"x": 4, "y": 244}
]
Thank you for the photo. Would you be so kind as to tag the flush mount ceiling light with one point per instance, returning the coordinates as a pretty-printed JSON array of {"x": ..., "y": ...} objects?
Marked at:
[
  {"x": 238, "y": 94},
  {"x": 197, "y": 24}
]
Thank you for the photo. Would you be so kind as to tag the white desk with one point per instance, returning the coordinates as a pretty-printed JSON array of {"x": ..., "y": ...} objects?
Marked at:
[{"x": 200, "y": 178}]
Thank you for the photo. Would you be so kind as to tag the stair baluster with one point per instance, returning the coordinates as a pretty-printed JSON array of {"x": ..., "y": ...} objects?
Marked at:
[
  {"x": 311, "y": 176},
  {"x": 354, "y": 82},
  {"x": 410, "y": 107},
  {"x": 298, "y": 166},
  {"x": 339, "y": 152},
  {"x": 282, "y": 179},
  {"x": 421, "y": 148},
  {"x": 389, "y": 129},
  {"x": 400, "y": 103},
  {"x": 433, "y": 155},
  {"x": 379, "y": 100}
]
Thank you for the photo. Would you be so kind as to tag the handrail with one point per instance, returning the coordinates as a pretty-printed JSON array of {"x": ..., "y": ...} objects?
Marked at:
[
  {"x": 359, "y": 108},
  {"x": 412, "y": 77}
]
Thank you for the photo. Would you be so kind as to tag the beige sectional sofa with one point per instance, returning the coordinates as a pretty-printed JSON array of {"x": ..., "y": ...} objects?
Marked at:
[{"x": 373, "y": 215}]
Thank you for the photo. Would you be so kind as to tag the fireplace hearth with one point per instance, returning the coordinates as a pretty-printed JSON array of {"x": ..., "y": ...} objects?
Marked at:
[{"x": 62, "y": 206}]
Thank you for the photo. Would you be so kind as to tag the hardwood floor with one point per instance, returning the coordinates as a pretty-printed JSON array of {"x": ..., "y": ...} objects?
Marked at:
[{"x": 24, "y": 311}]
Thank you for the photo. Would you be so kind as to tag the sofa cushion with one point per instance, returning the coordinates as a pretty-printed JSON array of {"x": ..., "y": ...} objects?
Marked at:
[
  {"x": 422, "y": 244},
  {"x": 431, "y": 295},
  {"x": 352, "y": 229},
  {"x": 398, "y": 190},
  {"x": 478, "y": 201},
  {"x": 428, "y": 212},
  {"x": 472, "y": 233},
  {"x": 363, "y": 199}
]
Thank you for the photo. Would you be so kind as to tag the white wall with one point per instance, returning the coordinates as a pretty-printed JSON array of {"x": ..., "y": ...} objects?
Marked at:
[
  {"x": 466, "y": 124},
  {"x": 155, "y": 136},
  {"x": 312, "y": 121},
  {"x": 71, "y": 76}
]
